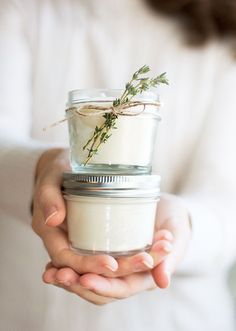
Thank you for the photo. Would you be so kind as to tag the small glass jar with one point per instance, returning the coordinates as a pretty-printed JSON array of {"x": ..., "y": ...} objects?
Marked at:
[
  {"x": 129, "y": 147},
  {"x": 109, "y": 214}
]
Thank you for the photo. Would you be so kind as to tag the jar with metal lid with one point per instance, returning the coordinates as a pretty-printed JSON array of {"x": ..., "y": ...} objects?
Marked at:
[
  {"x": 109, "y": 214},
  {"x": 126, "y": 142}
]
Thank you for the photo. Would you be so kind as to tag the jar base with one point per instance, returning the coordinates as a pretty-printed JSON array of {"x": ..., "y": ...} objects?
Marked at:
[
  {"x": 111, "y": 253},
  {"x": 99, "y": 168}
]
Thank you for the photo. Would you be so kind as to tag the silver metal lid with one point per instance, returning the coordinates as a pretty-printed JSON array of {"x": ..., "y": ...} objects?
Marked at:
[{"x": 111, "y": 185}]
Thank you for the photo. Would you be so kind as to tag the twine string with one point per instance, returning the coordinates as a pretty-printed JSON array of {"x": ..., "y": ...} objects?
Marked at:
[{"x": 95, "y": 110}]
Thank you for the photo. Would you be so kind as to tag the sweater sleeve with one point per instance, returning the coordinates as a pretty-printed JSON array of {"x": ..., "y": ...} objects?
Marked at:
[
  {"x": 209, "y": 189},
  {"x": 18, "y": 152}
]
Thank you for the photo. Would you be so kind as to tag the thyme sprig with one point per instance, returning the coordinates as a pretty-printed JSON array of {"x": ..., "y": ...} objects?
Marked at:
[{"x": 137, "y": 85}]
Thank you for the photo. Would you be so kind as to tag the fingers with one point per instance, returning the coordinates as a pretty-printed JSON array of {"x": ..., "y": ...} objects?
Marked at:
[
  {"x": 64, "y": 276},
  {"x": 49, "y": 276},
  {"x": 118, "y": 288},
  {"x": 125, "y": 266},
  {"x": 67, "y": 277},
  {"x": 62, "y": 255},
  {"x": 161, "y": 276},
  {"x": 89, "y": 284},
  {"x": 174, "y": 217},
  {"x": 128, "y": 265},
  {"x": 160, "y": 251},
  {"x": 145, "y": 261},
  {"x": 69, "y": 280},
  {"x": 163, "y": 234},
  {"x": 86, "y": 294},
  {"x": 98, "y": 289},
  {"x": 83, "y": 264},
  {"x": 162, "y": 272},
  {"x": 106, "y": 265}
]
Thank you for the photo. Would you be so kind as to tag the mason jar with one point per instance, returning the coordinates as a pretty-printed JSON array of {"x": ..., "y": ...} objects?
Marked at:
[
  {"x": 126, "y": 147},
  {"x": 109, "y": 214}
]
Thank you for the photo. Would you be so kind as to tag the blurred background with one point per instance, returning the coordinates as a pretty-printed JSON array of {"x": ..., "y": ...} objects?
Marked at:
[{"x": 49, "y": 47}]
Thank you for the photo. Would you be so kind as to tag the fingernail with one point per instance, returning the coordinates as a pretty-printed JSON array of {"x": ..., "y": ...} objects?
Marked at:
[
  {"x": 168, "y": 247},
  {"x": 157, "y": 248},
  {"x": 65, "y": 283},
  {"x": 50, "y": 214},
  {"x": 148, "y": 264},
  {"x": 110, "y": 267},
  {"x": 142, "y": 265},
  {"x": 169, "y": 236}
]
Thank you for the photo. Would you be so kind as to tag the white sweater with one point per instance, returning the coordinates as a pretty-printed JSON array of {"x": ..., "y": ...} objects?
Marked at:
[{"x": 49, "y": 47}]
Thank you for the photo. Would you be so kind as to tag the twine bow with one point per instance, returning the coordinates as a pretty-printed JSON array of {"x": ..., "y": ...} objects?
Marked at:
[{"x": 95, "y": 110}]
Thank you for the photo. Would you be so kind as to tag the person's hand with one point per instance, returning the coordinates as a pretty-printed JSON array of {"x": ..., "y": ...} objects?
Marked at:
[
  {"x": 172, "y": 225},
  {"x": 49, "y": 223}
]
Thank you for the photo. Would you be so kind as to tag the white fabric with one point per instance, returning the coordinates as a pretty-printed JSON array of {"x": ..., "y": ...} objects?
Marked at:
[{"x": 49, "y": 47}]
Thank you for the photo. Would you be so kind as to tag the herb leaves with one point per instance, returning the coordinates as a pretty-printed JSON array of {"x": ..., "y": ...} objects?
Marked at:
[{"x": 137, "y": 85}]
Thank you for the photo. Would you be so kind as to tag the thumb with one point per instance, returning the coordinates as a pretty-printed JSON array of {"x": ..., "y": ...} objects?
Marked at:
[{"x": 50, "y": 201}]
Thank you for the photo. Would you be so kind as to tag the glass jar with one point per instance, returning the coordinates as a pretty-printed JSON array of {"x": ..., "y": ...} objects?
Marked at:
[
  {"x": 130, "y": 142},
  {"x": 109, "y": 214}
]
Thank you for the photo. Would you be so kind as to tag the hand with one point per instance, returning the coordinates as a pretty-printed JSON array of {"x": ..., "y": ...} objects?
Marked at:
[
  {"x": 49, "y": 213},
  {"x": 172, "y": 225},
  {"x": 48, "y": 222}
]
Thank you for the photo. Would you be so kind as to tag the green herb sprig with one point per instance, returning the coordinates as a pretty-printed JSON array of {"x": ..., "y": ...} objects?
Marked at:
[{"x": 137, "y": 85}]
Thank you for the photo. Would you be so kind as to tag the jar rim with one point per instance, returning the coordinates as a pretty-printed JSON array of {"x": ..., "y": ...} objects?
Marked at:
[
  {"x": 99, "y": 94},
  {"x": 141, "y": 194}
]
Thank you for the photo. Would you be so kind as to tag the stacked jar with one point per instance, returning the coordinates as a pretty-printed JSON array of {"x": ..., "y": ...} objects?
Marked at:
[{"x": 111, "y": 193}]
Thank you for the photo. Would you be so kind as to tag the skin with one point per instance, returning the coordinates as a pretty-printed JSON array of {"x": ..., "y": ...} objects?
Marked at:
[{"x": 103, "y": 279}]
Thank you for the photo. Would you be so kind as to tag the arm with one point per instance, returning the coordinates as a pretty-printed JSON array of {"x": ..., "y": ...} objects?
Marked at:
[
  {"x": 209, "y": 189},
  {"x": 18, "y": 151}
]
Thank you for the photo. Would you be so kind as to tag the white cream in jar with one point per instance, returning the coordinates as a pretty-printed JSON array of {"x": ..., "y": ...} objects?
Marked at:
[
  {"x": 130, "y": 145},
  {"x": 111, "y": 214}
]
